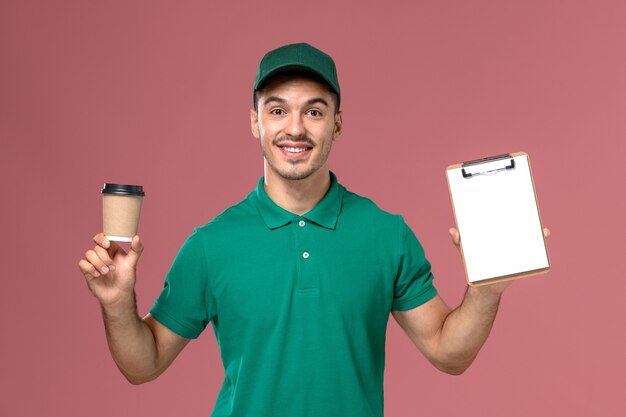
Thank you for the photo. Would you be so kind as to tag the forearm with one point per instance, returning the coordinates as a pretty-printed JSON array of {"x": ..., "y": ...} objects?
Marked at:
[
  {"x": 131, "y": 341},
  {"x": 466, "y": 329}
]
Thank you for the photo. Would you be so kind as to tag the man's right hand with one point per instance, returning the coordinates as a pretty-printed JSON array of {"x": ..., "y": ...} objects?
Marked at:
[
  {"x": 110, "y": 271},
  {"x": 142, "y": 349}
]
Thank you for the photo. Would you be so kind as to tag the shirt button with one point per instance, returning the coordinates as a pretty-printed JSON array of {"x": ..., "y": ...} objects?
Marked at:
[
  {"x": 301, "y": 223},
  {"x": 305, "y": 255}
]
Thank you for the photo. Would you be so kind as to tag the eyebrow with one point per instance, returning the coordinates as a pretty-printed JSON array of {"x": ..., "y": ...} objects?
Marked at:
[
  {"x": 276, "y": 99},
  {"x": 310, "y": 102},
  {"x": 317, "y": 100}
]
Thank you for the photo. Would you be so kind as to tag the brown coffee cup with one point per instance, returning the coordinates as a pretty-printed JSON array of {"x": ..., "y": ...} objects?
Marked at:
[{"x": 121, "y": 206}]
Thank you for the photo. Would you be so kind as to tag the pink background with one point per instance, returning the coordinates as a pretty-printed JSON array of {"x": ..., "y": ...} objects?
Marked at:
[{"x": 158, "y": 93}]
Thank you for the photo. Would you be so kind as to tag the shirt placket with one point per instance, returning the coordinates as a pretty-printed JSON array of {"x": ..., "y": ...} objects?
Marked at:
[{"x": 306, "y": 255}]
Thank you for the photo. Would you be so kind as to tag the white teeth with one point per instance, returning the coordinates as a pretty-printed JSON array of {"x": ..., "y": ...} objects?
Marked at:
[{"x": 295, "y": 150}]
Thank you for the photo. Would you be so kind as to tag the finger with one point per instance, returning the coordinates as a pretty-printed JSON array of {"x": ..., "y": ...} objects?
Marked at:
[
  {"x": 135, "y": 251},
  {"x": 104, "y": 256},
  {"x": 112, "y": 247},
  {"x": 454, "y": 234},
  {"x": 101, "y": 240},
  {"x": 88, "y": 270},
  {"x": 93, "y": 258},
  {"x": 546, "y": 232}
]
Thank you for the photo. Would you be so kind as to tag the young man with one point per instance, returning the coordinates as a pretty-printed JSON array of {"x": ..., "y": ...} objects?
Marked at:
[{"x": 297, "y": 280}]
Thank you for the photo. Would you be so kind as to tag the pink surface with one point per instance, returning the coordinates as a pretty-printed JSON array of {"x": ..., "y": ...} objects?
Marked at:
[{"x": 158, "y": 93}]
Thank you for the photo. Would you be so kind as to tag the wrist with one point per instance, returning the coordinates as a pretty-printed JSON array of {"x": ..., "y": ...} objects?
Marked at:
[
  {"x": 120, "y": 307},
  {"x": 484, "y": 294},
  {"x": 493, "y": 289}
]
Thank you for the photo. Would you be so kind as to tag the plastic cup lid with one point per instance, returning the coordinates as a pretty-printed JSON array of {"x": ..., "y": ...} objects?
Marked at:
[{"x": 123, "y": 189}]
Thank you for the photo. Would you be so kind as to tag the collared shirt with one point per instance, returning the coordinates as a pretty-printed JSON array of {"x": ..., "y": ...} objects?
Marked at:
[{"x": 299, "y": 304}]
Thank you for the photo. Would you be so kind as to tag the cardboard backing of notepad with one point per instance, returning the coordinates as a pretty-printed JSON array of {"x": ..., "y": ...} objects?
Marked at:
[{"x": 497, "y": 215}]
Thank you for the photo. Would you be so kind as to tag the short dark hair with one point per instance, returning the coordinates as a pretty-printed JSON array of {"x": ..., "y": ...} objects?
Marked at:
[{"x": 296, "y": 74}]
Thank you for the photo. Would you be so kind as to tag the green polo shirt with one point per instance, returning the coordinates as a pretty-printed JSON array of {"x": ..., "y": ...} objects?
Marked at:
[{"x": 299, "y": 304}]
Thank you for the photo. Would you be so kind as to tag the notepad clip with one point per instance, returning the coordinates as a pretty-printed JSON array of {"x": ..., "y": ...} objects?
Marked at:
[{"x": 485, "y": 161}]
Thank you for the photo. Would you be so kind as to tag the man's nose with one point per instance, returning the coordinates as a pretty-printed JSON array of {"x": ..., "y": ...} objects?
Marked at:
[{"x": 296, "y": 125}]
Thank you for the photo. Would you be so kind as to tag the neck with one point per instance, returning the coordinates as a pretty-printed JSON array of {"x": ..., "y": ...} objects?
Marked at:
[{"x": 297, "y": 196}]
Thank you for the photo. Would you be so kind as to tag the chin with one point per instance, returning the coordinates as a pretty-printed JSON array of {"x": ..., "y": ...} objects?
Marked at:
[{"x": 296, "y": 174}]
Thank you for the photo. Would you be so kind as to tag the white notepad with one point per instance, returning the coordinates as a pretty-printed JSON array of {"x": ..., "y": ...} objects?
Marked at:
[{"x": 498, "y": 218}]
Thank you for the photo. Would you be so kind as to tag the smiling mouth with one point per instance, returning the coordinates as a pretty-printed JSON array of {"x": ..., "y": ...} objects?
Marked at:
[{"x": 293, "y": 149}]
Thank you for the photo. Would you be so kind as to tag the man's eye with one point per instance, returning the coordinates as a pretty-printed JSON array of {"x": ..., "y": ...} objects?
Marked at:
[
  {"x": 276, "y": 111},
  {"x": 315, "y": 113}
]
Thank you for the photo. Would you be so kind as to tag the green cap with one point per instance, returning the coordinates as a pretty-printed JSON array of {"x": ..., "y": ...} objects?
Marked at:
[{"x": 298, "y": 56}]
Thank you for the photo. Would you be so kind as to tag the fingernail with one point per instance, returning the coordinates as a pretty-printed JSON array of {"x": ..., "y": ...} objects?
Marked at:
[
  {"x": 104, "y": 269},
  {"x": 105, "y": 242},
  {"x": 111, "y": 267}
]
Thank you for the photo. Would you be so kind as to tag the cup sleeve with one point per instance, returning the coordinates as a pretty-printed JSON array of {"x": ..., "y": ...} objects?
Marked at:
[
  {"x": 186, "y": 304},
  {"x": 414, "y": 280}
]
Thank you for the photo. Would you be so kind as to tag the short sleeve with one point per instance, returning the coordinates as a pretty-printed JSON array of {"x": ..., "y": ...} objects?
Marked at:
[
  {"x": 414, "y": 279},
  {"x": 186, "y": 304}
]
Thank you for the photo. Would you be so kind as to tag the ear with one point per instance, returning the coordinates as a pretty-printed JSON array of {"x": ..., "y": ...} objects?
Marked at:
[
  {"x": 254, "y": 123},
  {"x": 338, "y": 125}
]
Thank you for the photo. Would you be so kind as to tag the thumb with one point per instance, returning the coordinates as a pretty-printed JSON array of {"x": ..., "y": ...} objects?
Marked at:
[
  {"x": 136, "y": 248},
  {"x": 454, "y": 235}
]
